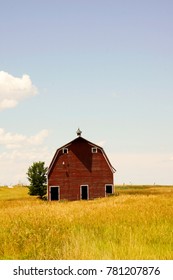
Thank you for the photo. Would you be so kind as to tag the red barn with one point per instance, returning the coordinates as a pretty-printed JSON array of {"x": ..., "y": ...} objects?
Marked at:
[{"x": 80, "y": 170}]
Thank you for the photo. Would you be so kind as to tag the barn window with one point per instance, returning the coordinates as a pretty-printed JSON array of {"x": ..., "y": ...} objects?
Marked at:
[
  {"x": 65, "y": 150},
  {"x": 94, "y": 150}
]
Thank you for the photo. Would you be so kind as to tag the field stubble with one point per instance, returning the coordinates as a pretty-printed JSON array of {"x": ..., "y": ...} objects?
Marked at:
[{"x": 136, "y": 224}]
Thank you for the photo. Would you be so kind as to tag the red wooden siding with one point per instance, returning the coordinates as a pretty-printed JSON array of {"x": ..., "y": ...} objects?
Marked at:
[{"x": 80, "y": 167}]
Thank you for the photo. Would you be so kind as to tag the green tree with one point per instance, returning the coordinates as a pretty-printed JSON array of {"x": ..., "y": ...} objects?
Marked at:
[{"x": 37, "y": 176}]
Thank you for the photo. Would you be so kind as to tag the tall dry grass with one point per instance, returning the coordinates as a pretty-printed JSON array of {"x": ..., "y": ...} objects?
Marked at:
[{"x": 136, "y": 224}]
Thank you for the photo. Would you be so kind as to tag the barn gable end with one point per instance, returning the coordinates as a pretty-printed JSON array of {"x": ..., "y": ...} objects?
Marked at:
[{"x": 79, "y": 170}]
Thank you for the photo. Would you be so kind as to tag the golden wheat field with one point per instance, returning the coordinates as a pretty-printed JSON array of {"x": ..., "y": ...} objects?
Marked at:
[{"x": 135, "y": 223}]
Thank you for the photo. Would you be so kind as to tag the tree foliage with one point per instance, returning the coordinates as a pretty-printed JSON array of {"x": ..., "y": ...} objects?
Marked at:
[{"x": 37, "y": 176}]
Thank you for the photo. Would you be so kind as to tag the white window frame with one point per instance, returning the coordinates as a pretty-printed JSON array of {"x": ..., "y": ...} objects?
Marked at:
[
  {"x": 94, "y": 150},
  {"x": 81, "y": 191},
  {"x": 50, "y": 192},
  {"x": 65, "y": 149},
  {"x": 112, "y": 189}
]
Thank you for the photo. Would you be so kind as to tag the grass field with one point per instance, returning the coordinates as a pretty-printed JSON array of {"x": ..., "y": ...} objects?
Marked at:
[{"x": 136, "y": 223}]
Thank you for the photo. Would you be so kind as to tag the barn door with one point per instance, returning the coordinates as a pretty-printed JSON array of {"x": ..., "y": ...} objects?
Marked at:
[
  {"x": 54, "y": 193},
  {"x": 84, "y": 192},
  {"x": 109, "y": 189}
]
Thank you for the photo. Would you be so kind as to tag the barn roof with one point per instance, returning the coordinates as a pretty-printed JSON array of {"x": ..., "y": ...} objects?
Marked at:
[{"x": 88, "y": 142}]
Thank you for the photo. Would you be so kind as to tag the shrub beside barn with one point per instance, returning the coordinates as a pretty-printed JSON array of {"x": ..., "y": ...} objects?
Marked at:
[{"x": 80, "y": 170}]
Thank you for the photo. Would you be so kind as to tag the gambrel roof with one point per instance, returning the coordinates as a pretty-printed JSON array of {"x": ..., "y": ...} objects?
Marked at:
[{"x": 89, "y": 143}]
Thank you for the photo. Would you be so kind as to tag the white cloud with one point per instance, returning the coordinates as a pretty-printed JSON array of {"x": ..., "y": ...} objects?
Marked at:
[
  {"x": 18, "y": 152},
  {"x": 38, "y": 138},
  {"x": 13, "y": 89},
  {"x": 14, "y": 164},
  {"x": 25, "y": 155},
  {"x": 14, "y": 140}
]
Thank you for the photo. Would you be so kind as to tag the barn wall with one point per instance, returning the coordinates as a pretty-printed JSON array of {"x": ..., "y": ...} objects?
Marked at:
[{"x": 80, "y": 167}]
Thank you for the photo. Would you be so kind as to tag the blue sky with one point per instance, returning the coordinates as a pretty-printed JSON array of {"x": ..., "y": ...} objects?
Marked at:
[{"x": 103, "y": 66}]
